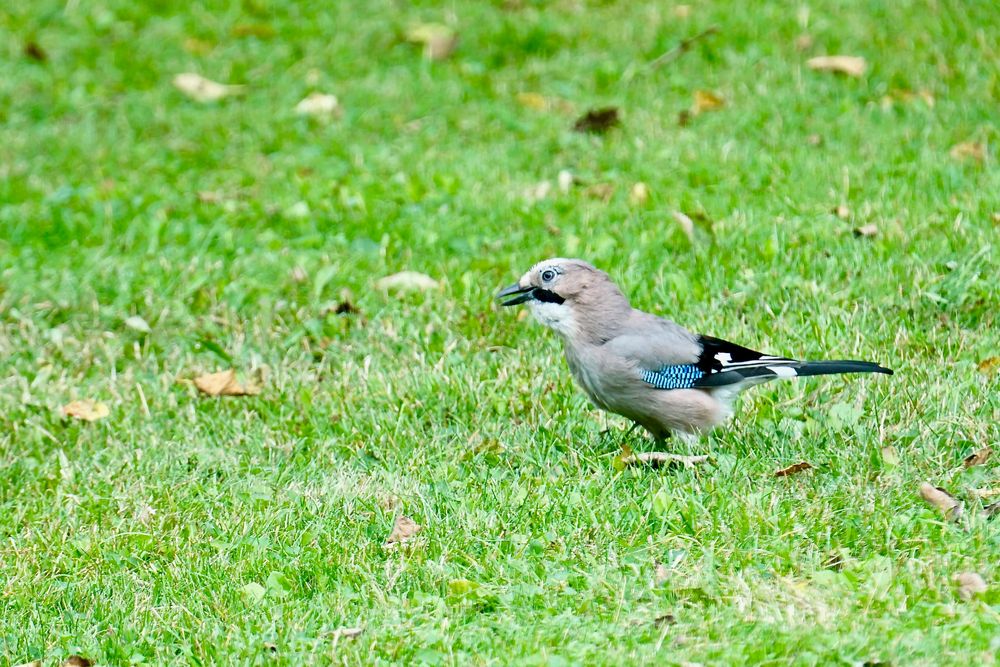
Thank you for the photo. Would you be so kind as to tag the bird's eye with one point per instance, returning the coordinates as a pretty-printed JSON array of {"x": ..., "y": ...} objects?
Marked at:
[{"x": 548, "y": 275}]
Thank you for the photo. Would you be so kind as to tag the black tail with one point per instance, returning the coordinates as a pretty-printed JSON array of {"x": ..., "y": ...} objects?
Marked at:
[
  {"x": 787, "y": 369},
  {"x": 835, "y": 367}
]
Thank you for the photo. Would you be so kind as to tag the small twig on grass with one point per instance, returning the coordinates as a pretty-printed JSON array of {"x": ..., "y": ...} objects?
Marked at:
[{"x": 682, "y": 48}]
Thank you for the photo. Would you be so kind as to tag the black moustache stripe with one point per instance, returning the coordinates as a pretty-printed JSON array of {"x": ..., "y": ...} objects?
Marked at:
[{"x": 545, "y": 296}]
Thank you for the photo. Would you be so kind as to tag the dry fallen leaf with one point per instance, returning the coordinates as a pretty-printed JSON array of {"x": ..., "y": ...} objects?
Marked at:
[
  {"x": 77, "y": 661},
  {"x": 977, "y": 458},
  {"x": 985, "y": 493},
  {"x": 439, "y": 41},
  {"x": 35, "y": 52},
  {"x": 866, "y": 231},
  {"x": 602, "y": 191},
  {"x": 890, "y": 456},
  {"x": 849, "y": 65},
  {"x": 223, "y": 383},
  {"x": 686, "y": 224},
  {"x": 136, "y": 323},
  {"x": 201, "y": 89},
  {"x": 706, "y": 100},
  {"x": 803, "y": 42},
  {"x": 988, "y": 365},
  {"x": 87, "y": 410},
  {"x": 639, "y": 194},
  {"x": 660, "y": 573},
  {"x": 665, "y": 619},
  {"x": 405, "y": 281},
  {"x": 992, "y": 510},
  {"x": 597, "y": 121},
  {"x": 347, "y": 633},
  {"x": 793, "y": 469},
  {"x": 318, "y": 105},
  {"x": 842, "y": 212},
  {"x": 402, "y": 530},
  {"x": 968, "y": 151},
  {"x": 970, "y": 584},
  {"x": 565, "y": 180},
  {"x": 662, "y": 459},
  {"x": 949, "y": 506}
]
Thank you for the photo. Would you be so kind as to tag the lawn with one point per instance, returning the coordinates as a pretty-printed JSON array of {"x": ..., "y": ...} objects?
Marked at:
[{"x": 147, "y": 238}]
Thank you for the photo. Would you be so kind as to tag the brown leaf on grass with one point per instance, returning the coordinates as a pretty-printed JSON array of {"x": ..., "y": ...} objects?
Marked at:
[
  {"x": 866, "y": 231},
  {"x": 968, "y": 151},
  {"x": 984, "y": 494},
  {"x": 201, "y": 89},
  {"x": 439, "y": 41},
  {"x": 406, "y": 281},
  {"x": 87, "y": 410},
  {"x": 686, "y": 224},
  {"x": 402, "y": 530},
  {"x": 970, "y": 584},
  {"x": 198, "y": 47},
  {"x": 662, "y": 460},
  {"x": 318, "y": 105},
  {"x": 706, "y": 100},
  {"x": 842, "y": 212},
  {"x": 345, "y": 307},
  {"x": 989, "y": 365},
  {"x": 602, "y": 191},
  {"x": 639, "y": 194},
  {"x": 793, "y": 469},
  {"x": 847, "y": 65},
  {"x": 77, "y": 661},
  {"x": 223, "y": 383},
  {"x": 948, "y": 505},
  {"x": 803, "y": 42},
  {"x": 34, "y": 51},
  {"x": 258, "y": 30},
  {"x": 664, "y": 619},
  {"x": 598, "y": 121},
  {"x": 977, "y": 458},
  {"x": 992, "y": 510}
]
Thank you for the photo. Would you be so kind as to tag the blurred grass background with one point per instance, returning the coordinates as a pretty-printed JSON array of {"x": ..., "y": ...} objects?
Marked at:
[{"x": 233, "y": 228}]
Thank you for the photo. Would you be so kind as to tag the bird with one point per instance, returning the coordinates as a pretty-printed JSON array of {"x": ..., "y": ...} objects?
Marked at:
[{"x": 646, "y": 368}]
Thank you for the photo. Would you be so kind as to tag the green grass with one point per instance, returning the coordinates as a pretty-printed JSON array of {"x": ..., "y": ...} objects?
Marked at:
[{"x": 269, "y": 513}]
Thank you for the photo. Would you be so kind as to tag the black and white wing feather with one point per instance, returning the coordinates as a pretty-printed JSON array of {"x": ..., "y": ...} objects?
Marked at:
[{"x": 724, "y": 363}]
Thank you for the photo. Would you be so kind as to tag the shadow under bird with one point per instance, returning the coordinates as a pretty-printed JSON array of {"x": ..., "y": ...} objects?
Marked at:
[{"x": 646, "y": 368}]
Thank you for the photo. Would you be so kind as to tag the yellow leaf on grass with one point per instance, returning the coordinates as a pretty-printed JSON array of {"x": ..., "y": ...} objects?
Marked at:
[
  {"x": 402, "y": 530},
  {"x": 968, "y": 151},
  {"x": 223, "y": 383},
  {"x": 639, "y": 194},
  {"x": 405, "y": 281},
  {"x": 706, "y": 100},
  {"x": 201, "y": 89},
  {"x": 847, "y": 65},
  {"x": 439, "y": 41},
  {"x": 988, "y": 365},
  {"x": 87, "y": 410},
  {"x": 319, "y": 105}
]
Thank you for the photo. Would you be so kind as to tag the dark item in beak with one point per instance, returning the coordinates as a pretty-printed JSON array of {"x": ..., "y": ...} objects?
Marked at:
[
  {"x": 523, "y": 294},
  {"x": 527, "y": 294}
]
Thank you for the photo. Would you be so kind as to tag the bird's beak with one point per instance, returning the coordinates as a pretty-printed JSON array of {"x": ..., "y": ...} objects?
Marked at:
[{"x": 522, "y": 294}]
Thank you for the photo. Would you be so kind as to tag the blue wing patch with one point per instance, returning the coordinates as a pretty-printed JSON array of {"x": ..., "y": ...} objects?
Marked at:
[{"x": 673, "y": 377}]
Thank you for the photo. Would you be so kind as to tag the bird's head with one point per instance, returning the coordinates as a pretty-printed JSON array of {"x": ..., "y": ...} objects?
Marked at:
[{"x": 567, "y": 295}]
